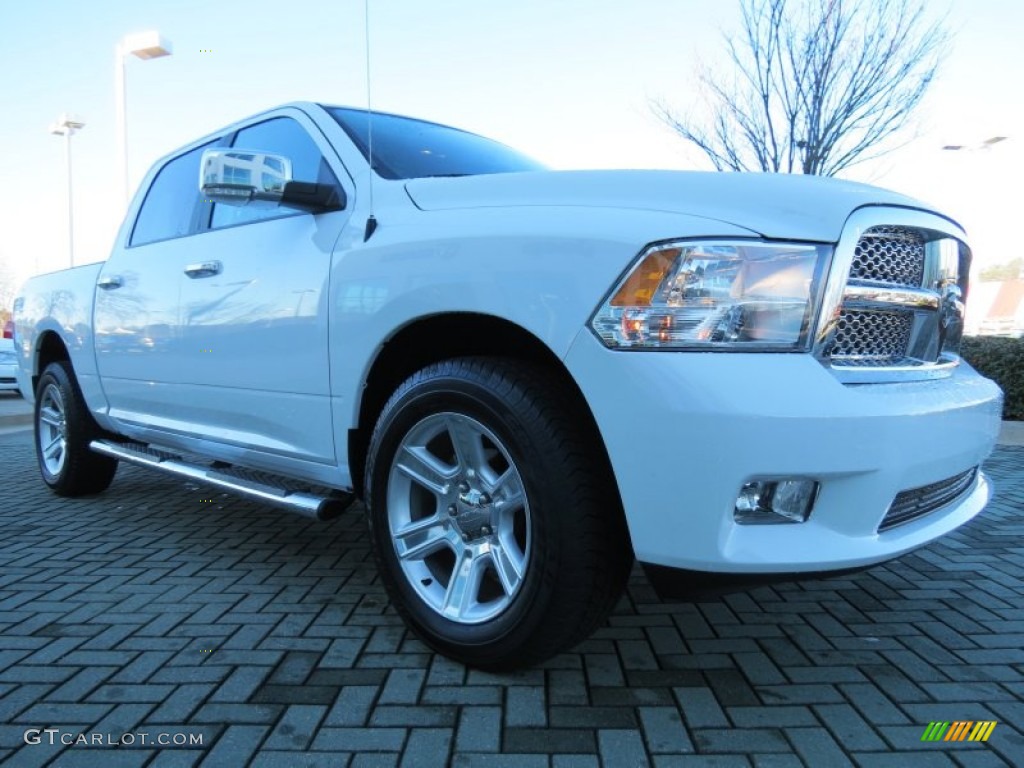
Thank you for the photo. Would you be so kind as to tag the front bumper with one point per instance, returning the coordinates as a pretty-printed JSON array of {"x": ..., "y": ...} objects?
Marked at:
[
  {"x": 685, "y": 431},
  {"x": 8, "y": 377}
]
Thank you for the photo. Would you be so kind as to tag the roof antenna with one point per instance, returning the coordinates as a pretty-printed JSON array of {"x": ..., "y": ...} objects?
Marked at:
[{"x": 371, "y": 222}]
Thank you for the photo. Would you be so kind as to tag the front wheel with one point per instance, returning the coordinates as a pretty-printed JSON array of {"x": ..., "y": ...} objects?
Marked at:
[
  {"x": 495, "y": 520},
  {"x": 64, "y": 428}
]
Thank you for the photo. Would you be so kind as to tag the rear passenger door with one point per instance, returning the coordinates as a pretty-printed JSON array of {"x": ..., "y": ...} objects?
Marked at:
[{"x": 136, "y": 319}]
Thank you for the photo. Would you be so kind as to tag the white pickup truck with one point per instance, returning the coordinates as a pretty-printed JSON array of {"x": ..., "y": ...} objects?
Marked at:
[{"x": 530, "y": 377}]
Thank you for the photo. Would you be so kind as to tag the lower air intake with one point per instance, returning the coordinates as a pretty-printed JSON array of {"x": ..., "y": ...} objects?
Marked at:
[{"x": 918, "y": 502}]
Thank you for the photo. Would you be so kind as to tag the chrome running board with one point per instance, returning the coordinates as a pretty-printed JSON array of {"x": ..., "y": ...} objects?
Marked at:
[{"x": 321, "y": 504}]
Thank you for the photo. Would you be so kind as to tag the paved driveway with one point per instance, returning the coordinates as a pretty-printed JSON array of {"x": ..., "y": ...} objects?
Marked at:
[{"x": 162, "y": 611}]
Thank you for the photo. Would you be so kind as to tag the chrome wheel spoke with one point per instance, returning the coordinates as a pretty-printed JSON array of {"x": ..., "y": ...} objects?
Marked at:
[
  {"x": 507, "y": 491},
  {"x": 468, "y": 444},
  {"x": 423, "y": 468},
  {"x": 508, "y": 564},
  {"x": 53, "y": 446},
  {"x": 50, "y": 417},
  {"x": 422, "y": 538},
  {"x": 463, "y": 587}
]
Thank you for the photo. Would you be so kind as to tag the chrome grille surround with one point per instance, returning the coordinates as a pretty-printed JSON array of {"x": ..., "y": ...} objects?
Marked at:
[
  {"x": 892, "y": 308},
  {"x": 915, "y": 503}
]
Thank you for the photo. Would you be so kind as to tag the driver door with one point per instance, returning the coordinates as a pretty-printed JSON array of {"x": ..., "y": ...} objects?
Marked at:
[{"x": 253, "y": 309}]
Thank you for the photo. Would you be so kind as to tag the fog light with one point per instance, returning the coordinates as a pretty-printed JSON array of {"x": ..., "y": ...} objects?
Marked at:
[{"x": 765, "y": 502}]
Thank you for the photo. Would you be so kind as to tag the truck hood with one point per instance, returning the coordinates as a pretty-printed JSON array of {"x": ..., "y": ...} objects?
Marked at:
[{"x": 773, "y": 205}]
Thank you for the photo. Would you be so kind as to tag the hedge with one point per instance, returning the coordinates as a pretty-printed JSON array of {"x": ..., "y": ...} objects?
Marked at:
[{"x": 1001, "y": 360}]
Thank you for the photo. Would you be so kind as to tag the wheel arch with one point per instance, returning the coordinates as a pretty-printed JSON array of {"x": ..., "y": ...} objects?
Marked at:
[
  {"x": 50, "y": 348},
  {"x": 442, "y": 337}
]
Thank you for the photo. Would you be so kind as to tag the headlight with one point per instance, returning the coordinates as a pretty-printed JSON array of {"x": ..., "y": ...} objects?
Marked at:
[{"x": 736, "y": 295}]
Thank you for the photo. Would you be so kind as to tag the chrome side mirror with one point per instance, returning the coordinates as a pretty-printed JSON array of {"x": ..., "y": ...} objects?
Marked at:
[
  {"x": 251, "y": 177},
  {"x": 243, "y": 177}
]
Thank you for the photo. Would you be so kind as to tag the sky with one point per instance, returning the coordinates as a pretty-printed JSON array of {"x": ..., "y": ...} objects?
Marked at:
[{"x": 569, "y": 82}]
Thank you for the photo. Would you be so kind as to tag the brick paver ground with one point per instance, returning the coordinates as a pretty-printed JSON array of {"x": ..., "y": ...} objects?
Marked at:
[
  {"x": 14, "y": 410},
  {"x": 164, "y": 609}
]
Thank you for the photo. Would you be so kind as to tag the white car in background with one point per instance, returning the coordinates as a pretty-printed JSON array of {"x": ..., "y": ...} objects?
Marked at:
[{"x": 8, "y": 366}]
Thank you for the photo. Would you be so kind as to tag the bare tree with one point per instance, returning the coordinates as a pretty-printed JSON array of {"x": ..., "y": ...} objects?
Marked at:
[
  {"x": 817, "y": 86},
  {"x": 8, "y": 289}
]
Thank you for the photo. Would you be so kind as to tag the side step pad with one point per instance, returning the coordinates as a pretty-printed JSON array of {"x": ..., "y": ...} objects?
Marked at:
[{"x": 322, "y": 504}]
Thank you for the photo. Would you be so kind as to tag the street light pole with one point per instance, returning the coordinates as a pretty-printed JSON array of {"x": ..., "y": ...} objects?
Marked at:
[
  {"x": 71, "y": 200},
  {"x": 145, "y": 46},
  {"x": 65, "y": 126}
]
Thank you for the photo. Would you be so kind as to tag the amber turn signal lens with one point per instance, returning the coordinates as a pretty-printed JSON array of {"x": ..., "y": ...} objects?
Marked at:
[{"x": 639, "y": 287}]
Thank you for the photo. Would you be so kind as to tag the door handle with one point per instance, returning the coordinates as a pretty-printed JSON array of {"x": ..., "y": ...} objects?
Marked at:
[
  {"x": 204, "y": 269},
  {"x": 110, "y": 281}
]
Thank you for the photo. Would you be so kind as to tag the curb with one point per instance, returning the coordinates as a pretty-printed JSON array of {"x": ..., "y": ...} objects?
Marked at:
[
  {"x": 15, "y": 419},
  {"x": 1012, "y": 433}
]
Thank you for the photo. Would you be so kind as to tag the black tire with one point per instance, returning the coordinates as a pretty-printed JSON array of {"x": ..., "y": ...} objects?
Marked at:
[
  {"x": 569, "y": 536},
  {"x": 61, "y": 415}
]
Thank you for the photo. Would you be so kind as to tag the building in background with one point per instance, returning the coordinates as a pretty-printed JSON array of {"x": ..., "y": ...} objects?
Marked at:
[{"x": 996, "y": 309}]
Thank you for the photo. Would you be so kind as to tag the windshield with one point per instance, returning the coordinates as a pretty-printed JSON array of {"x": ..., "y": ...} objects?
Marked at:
[{"x": 404, "y": 148}]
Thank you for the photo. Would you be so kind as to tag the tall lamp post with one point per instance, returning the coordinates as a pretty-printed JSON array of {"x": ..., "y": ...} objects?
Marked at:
[
  {"x": 65, "y": 126},
  {"x": 145, "y": 46}
]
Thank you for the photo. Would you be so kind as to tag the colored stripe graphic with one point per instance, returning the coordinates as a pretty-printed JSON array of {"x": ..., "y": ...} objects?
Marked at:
[
  {"x": 982, "y": 730},
  {"x": 959, "y": 730}
]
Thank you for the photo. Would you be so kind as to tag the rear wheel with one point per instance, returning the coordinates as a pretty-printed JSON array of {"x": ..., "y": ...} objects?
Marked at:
[
  {"x": 495, "y": 521},
  {"x": 64, "y": 429}
]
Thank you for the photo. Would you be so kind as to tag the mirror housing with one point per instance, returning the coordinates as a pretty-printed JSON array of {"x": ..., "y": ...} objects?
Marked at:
[{"x": 251, "y": 177}]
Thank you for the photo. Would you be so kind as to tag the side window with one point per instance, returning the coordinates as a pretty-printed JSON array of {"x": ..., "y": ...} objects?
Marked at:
[
  {"x": 279, "y": 136},
  {"x": 171, "y": 200}
]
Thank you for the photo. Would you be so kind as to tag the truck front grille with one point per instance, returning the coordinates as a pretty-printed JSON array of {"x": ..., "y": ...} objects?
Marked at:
[
  {"x": 892, "y": 255},
  {"x": 918, "y": 502},
  {"x": 901, "y": 311}
]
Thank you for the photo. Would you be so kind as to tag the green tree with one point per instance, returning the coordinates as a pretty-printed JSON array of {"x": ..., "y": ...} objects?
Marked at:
[{"x": 1011, "y": 270}]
